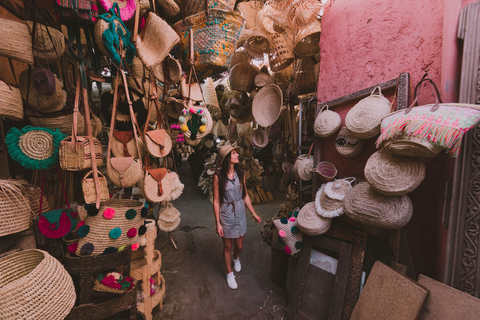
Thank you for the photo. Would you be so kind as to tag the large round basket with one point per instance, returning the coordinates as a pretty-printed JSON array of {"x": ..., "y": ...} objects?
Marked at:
[
  {"x": 214, "y": 39},
  {"x": 368, "y": 207},
  {"x": 49, "y": 45},
  {"x": 267, "y": 105},
  {"x": 309, "y": 222},
  {"x": 15, "y": 210},
  {"x": 281, "y": 55},
  {"x": 394, "y": 175},
  {"x": 327, "y": 123},
  {"x": 11, "y": 104},
  {"x": 307, "y": 40},
  {"x": 35, "y": 285},
  {"x": 62, "y": 120},
  {"x": 16, "y": 41},
  {"x": 411, "y": 146},
  {"x": 364, "y": 119},
  {"x": 242, "y": 77}
]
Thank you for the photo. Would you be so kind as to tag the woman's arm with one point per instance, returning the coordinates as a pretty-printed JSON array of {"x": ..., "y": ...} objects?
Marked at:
[
  {"x": 248, "y": 203},
  {"x": 216, "y": 206}
]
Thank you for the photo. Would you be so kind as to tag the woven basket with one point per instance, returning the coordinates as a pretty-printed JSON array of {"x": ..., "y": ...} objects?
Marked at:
[
  {"x": 364, "y": 205},
  {"x": 363, "y": 119},
  {"x": 242, "y": 77},
  {"x": 291, "y": 237},
  {"x": 257, "y": 42},
  {"x": 307, "y": 40},
  {"x": 35, "y": 285},
  {"x": 62, "y": 120},
  {"x": 240, "y": 56},
  {"x": 305, "y": 77},
  {"x": 209, "y": 93},
  {"x": 177, "y": 187},
  {"x": 303, "y": 13},
  {"x": 151, "y": 185},
  {"x": 393, "y": 175},
  {"x": 193, "y": 7},
  {"x": 173, "y": 107},
  {"x": 158, "y": 149},
  {"x": 304, "y": 167},
  {"x": 347, "y": 145},
  {"x": 170, "y": 7},
  {"x": 168, "y": 218},
  {"x": 327, "y": 123},
  {"x": 249, "y": 11},
  {"x": 326, "y": 170},
  {"x": 267, "y": 105},
  {"x": 11, "y": 104},
  {"x": 40, "y": 102},
  {"x": 411, "y": 146},
  {"x": 309, "y": 222},
  {"x": 174, "y": 70},
  {"x": 15, "y": 210},
  {"x": 77, "y": 156},
  {"x": 127, "y": 178},
  {"x": 281, "y": 55},
  {"x": 16, "y": 41},
  {"x": 137, "y": 68},
  {"x": 47, "y": 48},
  {"x": 89, "y": 190},
  {"x": 101, "y": 225},
  {"x": 214, "y": 39},
  {"x": 264, "y": 20},
  {"x": 100, "y": 26},
  {"x": 262, "y": 79},
  {"x": 259, "y": 138}
]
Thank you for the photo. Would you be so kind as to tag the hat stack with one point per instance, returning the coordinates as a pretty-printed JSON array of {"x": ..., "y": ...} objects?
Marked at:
[{"x": 168, "y": 218}]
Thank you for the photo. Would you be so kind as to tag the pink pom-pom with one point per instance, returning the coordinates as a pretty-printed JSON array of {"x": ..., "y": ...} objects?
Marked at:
[
  {"x": 73, "y": 247},
  {"x": 81, "y": 223},
  {"x": 184, "y": 112},
  {"x": 292, "y": 219},
  {"x": 281, "y": 233},
  {"x": 192, "y": 110},
  {"x": 200, "y": 112},
  {"x": 132, "y": 233},
  {"x": 109, "y": 213},
  {"x": 288, "y": 250},
  {"x": 135, "y": 246}
]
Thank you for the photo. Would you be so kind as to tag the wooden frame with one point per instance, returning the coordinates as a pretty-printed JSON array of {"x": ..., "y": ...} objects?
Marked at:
[{"x": 350, "y": 246}]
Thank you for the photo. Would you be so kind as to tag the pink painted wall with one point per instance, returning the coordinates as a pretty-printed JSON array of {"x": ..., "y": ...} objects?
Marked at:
[{"x": 365, "y": 42}]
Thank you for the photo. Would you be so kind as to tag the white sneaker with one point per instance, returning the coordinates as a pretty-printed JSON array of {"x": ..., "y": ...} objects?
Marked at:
[
  {"x": 231, "y": 281},
  {"x": 237, "y": 266}
]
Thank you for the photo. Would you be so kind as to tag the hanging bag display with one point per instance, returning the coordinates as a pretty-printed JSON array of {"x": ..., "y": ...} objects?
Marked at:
[{"x": 157, "y": 185}]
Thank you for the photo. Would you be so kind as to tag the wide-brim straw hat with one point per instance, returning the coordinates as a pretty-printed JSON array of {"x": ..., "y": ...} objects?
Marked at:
[
  {"x": 347, "y": 145},
  {"x": 47, "y": 48},
  {"x": 259, "y": 138},
  {"x": 364, "y": 205},
  {"x": 309, "y": 222},
  {"x": 267, "y": 105},
  {"x": 363, "y": 120},
  {"x": 40, "y": 102},
  {"x": 174, "y": 70},
  {"x": 307, "y": 40},
  {"x": 174, "y": 107},
  {"x": 249, "y": 11},
  {"x": 127, "y": 7},
  {"x": 281, "y": 55},
  {"x": 16, "y": 41},
  {"x": 411, "y": 146},
  {"x": 304, "y": 166},
  {"x": 326, "y": 207},
  {"x": 242, "y": 77},
  {"x": 327, "y": 123},
  {"x": 155, "y": 41},
  {"x": 209, "y": 93},
  {"x": 393, "y": 175},
  {"x": 11, "y": 104},
  {"x": 224, "y": 151}
]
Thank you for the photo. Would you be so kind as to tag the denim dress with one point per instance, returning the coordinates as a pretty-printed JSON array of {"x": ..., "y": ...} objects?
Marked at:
[{"x": 232, "y": 211}]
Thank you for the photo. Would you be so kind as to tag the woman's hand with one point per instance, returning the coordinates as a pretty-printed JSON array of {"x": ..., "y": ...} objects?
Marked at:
[
  {"x": 219, "y": 229},
  {"x": 257, "y": 217}
]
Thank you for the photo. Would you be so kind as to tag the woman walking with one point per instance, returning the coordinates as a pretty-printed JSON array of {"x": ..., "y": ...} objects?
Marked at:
[{"x": 229, "y": 199}]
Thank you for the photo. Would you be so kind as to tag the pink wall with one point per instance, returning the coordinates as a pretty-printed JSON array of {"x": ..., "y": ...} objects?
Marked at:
[{"x": 365, "y": 42}]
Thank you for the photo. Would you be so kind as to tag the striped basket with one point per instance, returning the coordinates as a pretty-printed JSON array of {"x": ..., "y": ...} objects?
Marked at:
[
  {"x": 215, "y": 39},
  {"x": 192, "y": 7}
]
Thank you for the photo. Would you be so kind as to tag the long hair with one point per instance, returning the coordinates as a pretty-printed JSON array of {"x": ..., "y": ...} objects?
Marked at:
[{"x": 223, "y": 177}]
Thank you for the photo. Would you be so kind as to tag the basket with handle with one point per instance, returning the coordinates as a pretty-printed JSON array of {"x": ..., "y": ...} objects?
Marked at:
[
  {"x": 89, "y": 189},
  {"x": 326, "y": 170}
]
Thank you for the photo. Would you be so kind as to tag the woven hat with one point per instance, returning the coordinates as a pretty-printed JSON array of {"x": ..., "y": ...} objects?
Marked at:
[
  {"x": 34, "y": 148},
  {"x": 281, "y": 55},
  {"x": 411, "y": 146},
  {"x": 368, "y": 207},
  {"x": 393, "y": 175},
  {"x": 304, "y": 167},
  {"x": 219, "y": 129},
  {"x": 41, "y": 102},
  {"x": 267, "y": 105},
  {"x": 259, "y": 138},
  {"x": 47, "y": 48},
  {"x": 307, "y": 40},
  {"x": 242, "y": 77},
  {"x": 174, "y": 70},
  {"x": 363, "y": 120},
  {"x": 16, "y": 41},
  {"x": 209, "y": 93},
  {"x": 35, "y": 285},
  {"x": 326, "y": 170},
  {"x": 249, "y": 11},
  {"x": 155, "y": 41},
  {"x": 127, "y": 7},
  {"x": 289, "y": 233},
  {"x": 310, "y": 222},
  {"x": 329, "y": 198},
  {"x": 327, "y": 123},
  {"x": 339, "y": 188},
  {"x": 224, "y": 151},
  {"x": 11, "y": 104},
  {"x": 168, "y": 218},
  {"x": 347, "y": 145}
]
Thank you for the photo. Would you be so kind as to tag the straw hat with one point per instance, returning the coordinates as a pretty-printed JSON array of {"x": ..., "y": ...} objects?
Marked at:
[
  {"x": 267, "y": 105},
  {"x": 368, "y": 207},
  {"x": 411, "y": 146},
  {"x": 329, "y": 198},
  {"x": 41, "y": 102},
  {"x": 347, "y": 145},
  {"x": 174, "y": 70},
  {"x": 259, "y": 138},
  {"x": 307, "y": 40},
  {"x": 339, "y": 188},
  {"x": 16, "y": 41},
  {"x": 393, "y": 175},
  {"x": 310, "y": 222},
  {"x": 224, "y": 151},
  {"x": 174, "y": 107},
  {"x": 304, "y": 166},
  {"x": 327, "y": 123},
  {"x": 155, "y": 41},
  {"x": 47, "y": 48},
  {"x": 11, "y": 104},
  {"x": 127, "y": 7},
  {"x": 249, "y": 11},
  {"x": 281, "y": 55},
  {"x": 209, "y": 93},
  {"x": 364, "y": 119}
]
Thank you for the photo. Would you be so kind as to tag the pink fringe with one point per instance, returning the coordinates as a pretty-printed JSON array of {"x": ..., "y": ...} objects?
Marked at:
[{"x": 125, "y": 13}]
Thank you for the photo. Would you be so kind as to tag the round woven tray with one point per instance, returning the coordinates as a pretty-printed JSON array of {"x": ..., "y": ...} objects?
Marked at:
[
  {"x": 310, "y": 222},
  {"x": 267, "y": 105},
  {"x": 411, "y": 146},
  {"x": 327, "y": 123}
]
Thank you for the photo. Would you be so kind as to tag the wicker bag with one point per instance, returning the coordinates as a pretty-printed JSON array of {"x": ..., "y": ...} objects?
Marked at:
[
  {"x": 117, "y": 223},
  {"x": 214, "y": 39},
  {"x": 61, "y": 120},
  {"x": 326, "y": 170},
  {"x": 124, "y": 144},
  {"x": 347, "y": 145},
  {"x": 89, "y": 189},
  {"x": 157, "y": 185},
  {"x": 11, "y": 105},
  {"x": 35, "y": 285},
  {"x": 168, "y": 218},
  {"x": 15, "y": 208},
  {"x": 16, "y": 41},
  {"x": 327, "y": 122}
]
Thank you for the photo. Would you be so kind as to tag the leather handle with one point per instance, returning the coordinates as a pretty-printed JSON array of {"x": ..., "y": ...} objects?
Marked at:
[{"x": 435, "y": 93}]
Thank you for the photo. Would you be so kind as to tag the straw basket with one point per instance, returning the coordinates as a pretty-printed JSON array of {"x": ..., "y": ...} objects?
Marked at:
[
  {"x": 62, "y": 120},
  {"x": 257, "y": 42},
  {"x": 364, "y": 119},
  {"x": 259, "y": 138},
  {"x": 118, "y": 147},
  {"x": 307, "y": 40},
  {"x": 16, "y": 41},
  {"x": 303, "y": 13},
  {"x": 174, "y": 70},
  {"x": 47, "y": 47},
  {"x": 309, "y": 222},
  {"x": 77, "y": 156},
  {"x": 170, "y": 7},
  {"x": 89, "y": 190},
  {"x": 15, "y": 211},
  {"x": 11, "y": 104},
  {"x": 193, "y": 7},
  {"x": 368, "y": 207},
  {"x": 262, "y": 78},
  {"x": 214, "y": 39},
  {"x": 304, "y": 167},
  {"x": 347, "y": 145},
  {"x": 393, "y": 175},
  {"x": 35, "y": 285},
  {"x": 240, "y": 56},
  {"x": 326, "y": 170},
  {"x": 41, "y": 102},
  {"x": 209, "y": 93},
  {"x": 100, "y": 26},
  {"x": 249, "y": 12},
  {"x": 124, "y": 214},
  {"x": 128, "y": 176},
  {"x": 264, "y": 20},
  {"x": 411, "y": 146},
  {"x": 267, "y": 105},
  {"x": 327, "y": 123},
  {"x": 168, "y": 218},
  {"x": 242, "y": 77},
  {"x": 281, "y": 55}
]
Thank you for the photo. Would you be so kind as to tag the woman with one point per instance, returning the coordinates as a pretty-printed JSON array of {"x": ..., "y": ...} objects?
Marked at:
[{"x": 229, "y": 199}]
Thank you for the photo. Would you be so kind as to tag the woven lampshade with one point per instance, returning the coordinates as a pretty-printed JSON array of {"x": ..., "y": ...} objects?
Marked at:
[
  {"x": 242, "y": 77},
  {"x": 309, "y": 222},
  {"x": 267, "y": 105},
  {"x": 364, "y": 205},
  {"x": 257, "y": 42},
  {"x": 393, "y": 175},
  {"x": 281, "y": 54},
  {"x": 327, "y": 123},
  {"x": 307, "y": 40}
]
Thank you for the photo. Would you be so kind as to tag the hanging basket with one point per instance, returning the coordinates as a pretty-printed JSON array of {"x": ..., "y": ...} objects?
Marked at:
[
  {"x": 15, "y": 209},
  {"x": 11, "y": 104},
  {"x": 193, "y": 7},
  {"x": 327, "y": 123},
  {"x": 281, "y": 55},
  {"x": 307, "y": 40},
  {"x": 242, "y": 77}
]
